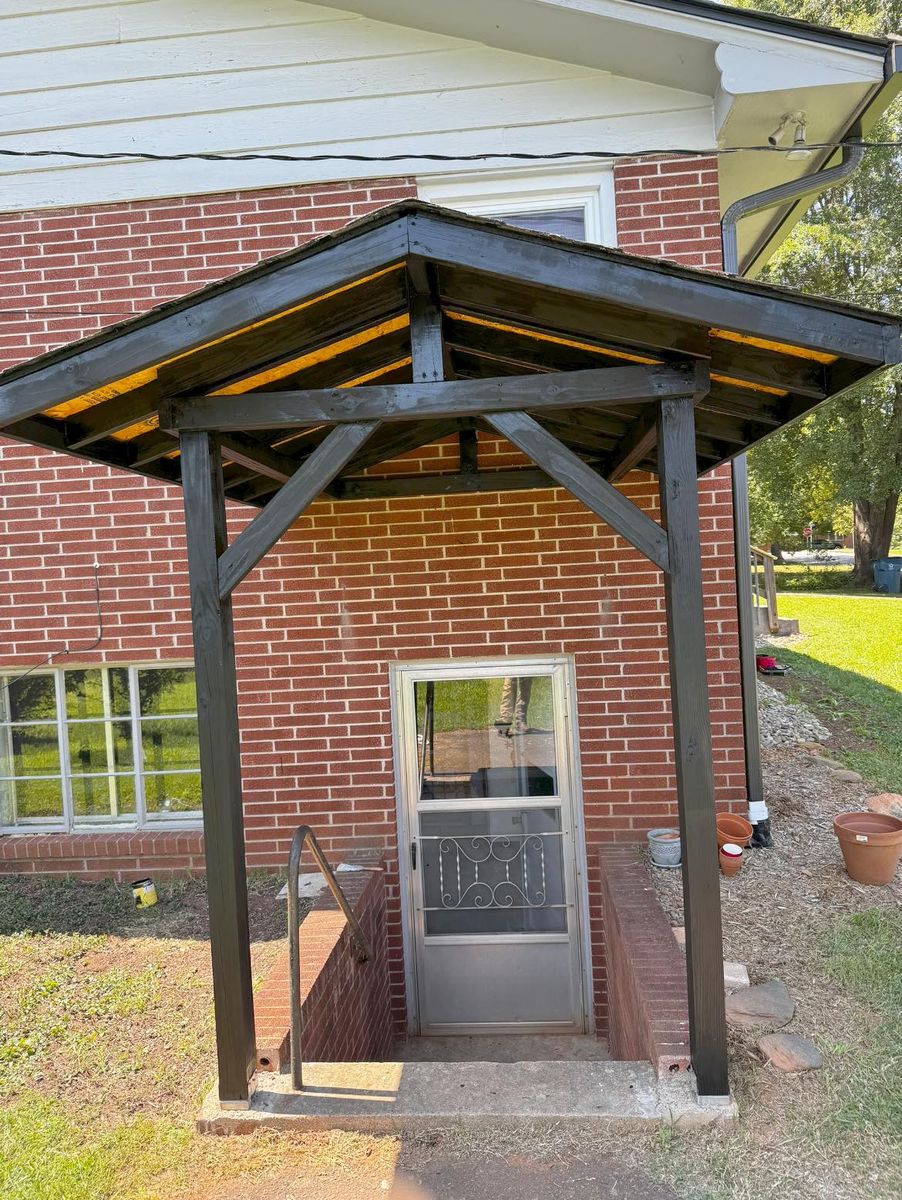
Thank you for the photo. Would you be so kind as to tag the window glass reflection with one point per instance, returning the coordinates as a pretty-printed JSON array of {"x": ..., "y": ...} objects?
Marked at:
[{"x": 488, "y": 737}]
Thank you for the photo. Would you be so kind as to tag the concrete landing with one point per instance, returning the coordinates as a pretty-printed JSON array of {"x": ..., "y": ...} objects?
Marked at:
[
  {"x": 390, "y": 1097},
  {"x": 510, "y": 1048}
]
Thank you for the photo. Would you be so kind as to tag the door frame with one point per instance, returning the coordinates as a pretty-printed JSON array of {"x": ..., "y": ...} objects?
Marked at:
[{"x": 398, "y": 673}]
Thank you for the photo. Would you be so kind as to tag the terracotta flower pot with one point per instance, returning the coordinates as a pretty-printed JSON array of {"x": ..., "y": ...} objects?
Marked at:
[
  {"x": 730, "y": 859},
  {"x": 731, "y": 828},
  {"x": 871, "y": 844}
]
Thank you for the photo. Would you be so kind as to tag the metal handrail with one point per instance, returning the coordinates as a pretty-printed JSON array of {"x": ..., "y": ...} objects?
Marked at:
[{"x": 304, "y": 835}]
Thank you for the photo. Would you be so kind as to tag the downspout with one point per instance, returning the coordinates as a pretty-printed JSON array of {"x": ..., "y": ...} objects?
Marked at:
[{"x": 796, "y": 189}]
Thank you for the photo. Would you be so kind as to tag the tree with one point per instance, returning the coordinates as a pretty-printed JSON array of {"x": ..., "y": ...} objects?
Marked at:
[{"x": 848, "y": 451}]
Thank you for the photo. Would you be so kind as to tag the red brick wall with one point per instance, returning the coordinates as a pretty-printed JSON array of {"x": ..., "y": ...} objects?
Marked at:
[
  {"x": 670, "y": 208},
  {"x": 68, "y": 272},
  {"x": 648, "y": 1000},
  {"x": 346, "y": 1004},
  {"x": 353, "y": 586}
]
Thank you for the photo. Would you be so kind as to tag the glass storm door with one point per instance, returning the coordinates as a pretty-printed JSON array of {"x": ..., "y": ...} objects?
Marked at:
[{"x": 491, "y": 871}]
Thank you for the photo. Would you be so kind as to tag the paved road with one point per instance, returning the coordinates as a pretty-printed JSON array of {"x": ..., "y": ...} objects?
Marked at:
[{"x": 843, "y": 558}]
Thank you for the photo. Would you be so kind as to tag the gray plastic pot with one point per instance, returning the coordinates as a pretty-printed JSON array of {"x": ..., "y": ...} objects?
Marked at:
[{"x": 664, "y": 845}]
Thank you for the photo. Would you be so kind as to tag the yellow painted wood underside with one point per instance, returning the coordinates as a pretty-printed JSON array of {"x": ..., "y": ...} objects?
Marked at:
[
  {"x": 313, "y": 357},
  {"x": 743, "y": 339},
  {"x": 552, "y": 339},
  {"x": 592, "y": 348},
  {"x": 129, "y": 382}
]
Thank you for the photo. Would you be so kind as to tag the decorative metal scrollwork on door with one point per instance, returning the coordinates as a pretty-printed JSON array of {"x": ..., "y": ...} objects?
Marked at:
[{"x": 486, "y": 871}]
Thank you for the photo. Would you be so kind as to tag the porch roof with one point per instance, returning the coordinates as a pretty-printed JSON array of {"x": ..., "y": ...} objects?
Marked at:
[{"x": 336, "y": 314}]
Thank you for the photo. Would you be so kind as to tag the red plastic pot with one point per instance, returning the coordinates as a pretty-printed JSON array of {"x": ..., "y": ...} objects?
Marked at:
[{"x": 871, "y": 845}]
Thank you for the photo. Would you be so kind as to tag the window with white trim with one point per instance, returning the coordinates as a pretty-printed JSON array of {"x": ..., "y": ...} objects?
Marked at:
[
  {"x": 577, "y": 204},
  {"x": 82, "y": 747}
]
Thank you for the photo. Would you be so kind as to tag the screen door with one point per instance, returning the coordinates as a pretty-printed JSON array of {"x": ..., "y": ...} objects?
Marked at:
[{"x": 485, "y": 757}]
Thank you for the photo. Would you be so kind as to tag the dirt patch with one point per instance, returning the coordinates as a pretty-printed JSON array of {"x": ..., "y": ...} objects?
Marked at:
[{"x": 110, "y": 1007}]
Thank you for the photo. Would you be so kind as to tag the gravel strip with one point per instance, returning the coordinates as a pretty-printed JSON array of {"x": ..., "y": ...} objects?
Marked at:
[{"x": 785, "y": 724}]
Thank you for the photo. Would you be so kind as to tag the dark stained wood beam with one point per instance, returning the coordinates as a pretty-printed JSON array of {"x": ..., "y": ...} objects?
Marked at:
[
  {"x": 434, "y": 399},
  {"x": 635, "y": 447},
  {"x": 220, "y": 768},
  {"x": 150, "y": 447},
  {"x": 243, "y": 450},
  {"x": 112, "y": 416},
  {"x": 745, "y": 612},
  {"x": 693, "y": 757},
  {"x": 596, "y": 493},
  {"x": 427, "y": 346},
  {"x": 308, "y": 482},
  {"x": 458, "y": 482},
  {"x": 658, "y": 289},
  {"x": 468, "y": 451}
]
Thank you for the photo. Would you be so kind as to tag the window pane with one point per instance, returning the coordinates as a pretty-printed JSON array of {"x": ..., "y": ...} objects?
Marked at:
[
  {"x": 100, "y": 746},
  {"x": 172, "y": 794},
  {"x": 108, "y": 797},
  {"x": 486, "y": 737},
  {"x": 165, "y": 690},
  {"x": 29, "y": 750},
  {"x": 170, "y": 744},
  {"x": 493, "y": 871},
  {"x": 26, "y": 799},
  {"x": 565, "y": 222},
  {"x": 120, "y": 695},
  {"x": 30, "y": 699},
  {"x": 84, "y": 694}
]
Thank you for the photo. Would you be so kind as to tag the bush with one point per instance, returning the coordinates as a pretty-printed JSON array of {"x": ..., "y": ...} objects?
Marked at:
[{"x": 804, "y": 578}]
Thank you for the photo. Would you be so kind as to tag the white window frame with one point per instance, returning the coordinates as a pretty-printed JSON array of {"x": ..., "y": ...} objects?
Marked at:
[
  {"x": 489, "y": 193},
  {"x": 140, "y": 819}
]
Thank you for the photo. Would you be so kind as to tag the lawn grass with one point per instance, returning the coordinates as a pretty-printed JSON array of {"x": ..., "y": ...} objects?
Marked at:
[
  {"x": 848, "y": 669},
  {"x": 863, "y": 953}
]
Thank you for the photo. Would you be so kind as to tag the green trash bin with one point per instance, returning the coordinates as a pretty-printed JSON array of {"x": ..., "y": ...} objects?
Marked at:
[{"x": 888, "y": 575}]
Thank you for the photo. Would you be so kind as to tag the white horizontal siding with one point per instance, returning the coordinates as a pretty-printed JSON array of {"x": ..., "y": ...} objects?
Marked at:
[{"x": 235, "y": 76}]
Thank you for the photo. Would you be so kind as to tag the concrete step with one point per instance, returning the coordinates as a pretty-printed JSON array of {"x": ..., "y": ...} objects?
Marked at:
[
  {"x": 506, "y": 1048},
  {"x": 388, "y": 1097}
]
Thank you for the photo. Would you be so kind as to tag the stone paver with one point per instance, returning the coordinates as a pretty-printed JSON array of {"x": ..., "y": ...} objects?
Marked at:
[
  {"x": 888, "y": 803},
  {"x": 764, "y": 1004},
  {"x": 790, "y": 1052}
]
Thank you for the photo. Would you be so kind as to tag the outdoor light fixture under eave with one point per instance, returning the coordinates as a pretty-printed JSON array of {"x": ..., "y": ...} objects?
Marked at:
[{"x": 800, "y": 136}]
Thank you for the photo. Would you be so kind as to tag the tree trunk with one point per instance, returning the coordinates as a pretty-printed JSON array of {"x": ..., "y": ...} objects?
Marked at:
[{"x": 873, "y": 533}]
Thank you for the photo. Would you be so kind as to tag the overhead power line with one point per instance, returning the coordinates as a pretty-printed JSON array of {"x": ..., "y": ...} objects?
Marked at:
[{"x": 486, "y": 156}]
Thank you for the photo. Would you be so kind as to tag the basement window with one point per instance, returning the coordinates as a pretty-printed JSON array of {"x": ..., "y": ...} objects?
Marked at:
[
  {"x": 88, "y": 747},
  {"x": 573, "y": 203}
]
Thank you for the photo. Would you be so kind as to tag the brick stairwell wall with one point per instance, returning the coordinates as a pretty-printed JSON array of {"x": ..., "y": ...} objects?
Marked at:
[
  {"x": 346, "y": 1004},
  {"x": 648, "y": 1004}
]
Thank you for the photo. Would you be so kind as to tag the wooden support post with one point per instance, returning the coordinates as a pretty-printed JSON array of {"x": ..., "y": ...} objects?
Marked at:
[
  {"x": 220, "y": 763},
  {"x": 746, "y": 618},
  {"x": 692, "y": 745}
]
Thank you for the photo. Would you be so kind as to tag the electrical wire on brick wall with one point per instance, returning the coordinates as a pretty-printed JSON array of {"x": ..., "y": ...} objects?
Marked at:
[{"x": 66, "y": 648}]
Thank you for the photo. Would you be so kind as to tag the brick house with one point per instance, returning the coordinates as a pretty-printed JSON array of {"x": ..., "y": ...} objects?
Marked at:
[{"x": 376, "y": 642}]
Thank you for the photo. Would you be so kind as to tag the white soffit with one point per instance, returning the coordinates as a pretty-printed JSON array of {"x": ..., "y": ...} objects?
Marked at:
[{"x": 641, "y": 41}]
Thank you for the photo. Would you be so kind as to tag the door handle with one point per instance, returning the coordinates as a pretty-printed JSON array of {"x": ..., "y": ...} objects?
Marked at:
[{"x": 413, "y": 855}]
